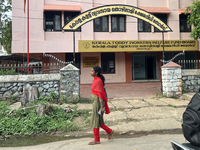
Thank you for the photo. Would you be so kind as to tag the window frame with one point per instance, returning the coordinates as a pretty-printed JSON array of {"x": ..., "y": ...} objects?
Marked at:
[
  {"x": 144, "y": 23},
  {"x": 103, "y": 58},
  {"x": 183, "y": 18},
  {"x": 53, "y": 13},
  {"x": 118, "y": 23},
  {"x": 101, "y": 24},
  {"x": 162, "y": 18},
  {"x": 72, "y": 15}
]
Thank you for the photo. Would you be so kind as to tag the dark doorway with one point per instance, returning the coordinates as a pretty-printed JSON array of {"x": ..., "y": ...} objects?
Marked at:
[
  {"x": 150, "y": 70},
  {"x": 144, "y": 66}
]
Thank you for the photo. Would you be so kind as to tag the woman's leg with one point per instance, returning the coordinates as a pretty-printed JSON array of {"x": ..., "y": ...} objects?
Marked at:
[
  {"x": 96, "y": 134},
  {"x": 106, "y": 128},
  {"x": 96, "y": 137}
]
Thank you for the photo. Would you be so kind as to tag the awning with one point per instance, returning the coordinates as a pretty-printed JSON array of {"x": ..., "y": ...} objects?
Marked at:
[
  {"x": 181, "y": 10},
  {"x": 157, "y": 10},
  {"x": 62, "y": 8}
]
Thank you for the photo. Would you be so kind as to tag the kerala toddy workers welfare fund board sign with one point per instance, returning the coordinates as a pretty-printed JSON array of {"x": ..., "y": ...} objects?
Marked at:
[
  {"x": 116, "y": 9},
  {"x": 136, "y": 45}
]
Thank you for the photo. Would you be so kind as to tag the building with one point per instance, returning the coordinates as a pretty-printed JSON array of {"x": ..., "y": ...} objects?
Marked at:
[{"x": 127, "y": 48}]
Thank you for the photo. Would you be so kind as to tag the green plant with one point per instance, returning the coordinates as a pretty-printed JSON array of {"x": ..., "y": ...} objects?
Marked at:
[
  {"x": 175, "y": 97},
  {"x": 7, "y": 72},
  {"x": 63, "y": 98},
  {"x": 80, "y": 99},
  {"x": 88, "y": 121},
  {"x": 183, "y": 87},
  {"x": 194, "y": 18},
  {"x": 160, "y": 95},
  {"x": 42, "y": 98},
  {"x": 52, "y": 96},
  {"x": 170, "y": 105},
  {"x": 21, "y": 122},
  {"x": 84, "y": 113},
  {"x": 13, "y": 97}
]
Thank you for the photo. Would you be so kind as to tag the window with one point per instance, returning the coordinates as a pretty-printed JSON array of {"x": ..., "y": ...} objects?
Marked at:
[
  {"x": 70, "y": 57},
  {"x": 101, "y": 24},
  {"x": 52, "y": 21},
  {"x": 118, "y": 23},
  {"x": 108, "y": 62},
  {"x": 69, "y": 15},
  {"x": 184, "y": 26},
  {"x": 143, "y": 26},
  {"x": 162, "y": 17}
]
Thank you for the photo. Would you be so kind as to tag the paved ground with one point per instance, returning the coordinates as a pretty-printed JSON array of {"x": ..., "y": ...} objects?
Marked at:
[
  {"x": 132, "y": 115},
  {"x": 147, "y": 142},
  {"x": 138, "y": 89},
  {"x": 137, "y": 115}
]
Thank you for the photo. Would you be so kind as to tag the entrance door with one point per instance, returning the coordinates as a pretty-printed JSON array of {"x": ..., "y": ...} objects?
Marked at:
[
  {"x": 149, "y": 68},
  {"x": 139, "y": 67},
  {"x": 144, "y": 66}
]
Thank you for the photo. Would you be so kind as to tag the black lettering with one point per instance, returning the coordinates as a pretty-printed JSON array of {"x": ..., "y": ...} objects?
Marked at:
[
  {"x": 83, "y": 18},
  {"x": 79, "y": 20},
  {"x": 73, "y": 24}
]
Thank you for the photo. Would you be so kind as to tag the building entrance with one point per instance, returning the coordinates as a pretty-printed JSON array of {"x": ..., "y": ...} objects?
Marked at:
[{"x": 145, "y": 66}]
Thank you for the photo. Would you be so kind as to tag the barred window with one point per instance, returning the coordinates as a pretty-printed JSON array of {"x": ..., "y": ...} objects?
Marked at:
[
  {"x": 184, "y": 26},
  {"x": 143, "y": 26},
  {"x": 108, "y": 62},
  {"x": 101, "y": 24},
  {"x": 118, "y": 23}
]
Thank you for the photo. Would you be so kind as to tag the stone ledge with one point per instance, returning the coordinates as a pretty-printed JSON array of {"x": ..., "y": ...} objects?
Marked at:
[
  {"x": 30, "y": 78},
  {"x": 186, "y": 72}
]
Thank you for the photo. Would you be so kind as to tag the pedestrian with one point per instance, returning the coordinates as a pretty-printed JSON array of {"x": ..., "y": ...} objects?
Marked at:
[{"x": 99, "y": 105}]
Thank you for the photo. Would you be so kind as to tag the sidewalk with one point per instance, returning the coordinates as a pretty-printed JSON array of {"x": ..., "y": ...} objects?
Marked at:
[
  {"x": 117, "y": 90},
  {"x": 130, "y": 117},
  {"x": 136, "y": 115}
]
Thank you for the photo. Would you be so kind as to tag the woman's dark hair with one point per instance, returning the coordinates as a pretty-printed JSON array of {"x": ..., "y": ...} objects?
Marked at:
[{"x": 97, "y": 70}]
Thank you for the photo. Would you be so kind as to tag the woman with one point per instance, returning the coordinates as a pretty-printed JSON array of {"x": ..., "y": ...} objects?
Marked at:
[{"x": 99, "y": 104}]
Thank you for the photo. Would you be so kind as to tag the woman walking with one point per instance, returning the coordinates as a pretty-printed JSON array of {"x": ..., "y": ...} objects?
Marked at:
[{"x": 99, "y": 105}]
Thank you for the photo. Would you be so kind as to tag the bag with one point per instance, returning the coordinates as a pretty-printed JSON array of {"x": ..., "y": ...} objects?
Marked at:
[
  {"x": 106, "y": 92},
  {"x": 191, "y": 121}
]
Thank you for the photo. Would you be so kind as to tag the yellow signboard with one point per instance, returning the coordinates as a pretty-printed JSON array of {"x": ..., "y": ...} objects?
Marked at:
[
  {"x": 116, "y": 10},
  {"x": 137, "y": 45},
  {"x": 90, "y": 62}
]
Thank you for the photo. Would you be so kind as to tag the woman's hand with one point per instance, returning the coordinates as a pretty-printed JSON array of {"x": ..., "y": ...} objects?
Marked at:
[{"x": 102, "y": 110}]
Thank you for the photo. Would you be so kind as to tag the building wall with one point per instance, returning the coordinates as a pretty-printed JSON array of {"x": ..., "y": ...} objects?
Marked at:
[
  {"x": 120, "y": 69},
  {"x": 152, "y": 3},
  {"x": 58, "y": 43},
  {"x": 51, "y": 42}
]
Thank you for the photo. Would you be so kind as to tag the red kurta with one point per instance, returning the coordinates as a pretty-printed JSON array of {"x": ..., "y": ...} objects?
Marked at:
[{"x": 97, "y": 88}]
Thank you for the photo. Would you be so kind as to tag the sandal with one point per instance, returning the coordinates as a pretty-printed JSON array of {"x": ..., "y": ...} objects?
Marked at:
[
  {"x": 110, "y": 135},
  {"x": 94, "y": 142}
]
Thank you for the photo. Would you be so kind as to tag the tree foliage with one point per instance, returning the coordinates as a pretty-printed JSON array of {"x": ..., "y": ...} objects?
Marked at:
[
  {"x": 6, "y": 38},
  {"x": 5, "y": 24},
  {"x": 194, "y": 18},
  {"x": 5, "y": 6}
]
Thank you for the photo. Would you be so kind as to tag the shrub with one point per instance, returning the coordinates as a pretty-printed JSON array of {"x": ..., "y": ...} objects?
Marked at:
[
  {"x": 20, "y": 122},
  {"x": 7, "y": 72}
]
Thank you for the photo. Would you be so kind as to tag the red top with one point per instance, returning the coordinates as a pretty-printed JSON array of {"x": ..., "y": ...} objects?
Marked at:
[{"x": 97, "y": 88}]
